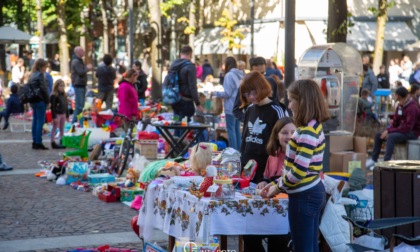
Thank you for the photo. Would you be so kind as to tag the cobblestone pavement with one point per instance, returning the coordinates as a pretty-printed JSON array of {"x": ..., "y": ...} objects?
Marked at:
[{"x": 34, "y": 208}]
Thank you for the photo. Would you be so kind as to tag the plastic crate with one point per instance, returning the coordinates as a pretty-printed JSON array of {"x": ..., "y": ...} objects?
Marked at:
[{"x": 20, "y": 123}]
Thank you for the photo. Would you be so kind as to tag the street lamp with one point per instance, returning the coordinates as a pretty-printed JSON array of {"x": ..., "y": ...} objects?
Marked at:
[{"x": 131, "y": 42}]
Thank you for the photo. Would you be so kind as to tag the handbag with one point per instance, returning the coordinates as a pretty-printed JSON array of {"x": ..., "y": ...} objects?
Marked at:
[{"x": 30, "y": 93}]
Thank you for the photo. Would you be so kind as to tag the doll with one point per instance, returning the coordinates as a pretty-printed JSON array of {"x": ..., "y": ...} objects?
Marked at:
[
  {"x": 211, "y": 172},
  {"x": 200, "y": 158},
  {"x": 131, "y": 177}
]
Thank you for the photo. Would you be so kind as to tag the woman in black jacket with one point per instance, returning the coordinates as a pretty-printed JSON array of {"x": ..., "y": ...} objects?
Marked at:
[{"x": 39, "y": 105}]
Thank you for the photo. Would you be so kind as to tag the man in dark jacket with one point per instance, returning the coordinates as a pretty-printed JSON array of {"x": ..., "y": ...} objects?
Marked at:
[
  {"x": 79, "y": 80},
  {"x": 106, "y": 75},
  {"x": 14, "y": 106},
  {"x": 257, "y": 64},
  {"x": 207, "y": 70},
  {"x": 187, "y": 86},
  {"x": 141, "y": 83},
  {"x": 405, "y": 126}
]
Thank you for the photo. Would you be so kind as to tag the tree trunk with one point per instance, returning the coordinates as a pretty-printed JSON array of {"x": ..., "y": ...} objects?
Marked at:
[
  {"x": 337, "y": 21},
  {"x": 156, "y": 61},
  {"x": 2, "y": 49},
  {"x": 63, "y": 43},
  {"x": 192, "y": 23},
  {"x": 380, "y": 34},
  {"x": 20, "y": 20},
  {"x": 40, "y": 26},
  {"x": 105, "y": 26}
]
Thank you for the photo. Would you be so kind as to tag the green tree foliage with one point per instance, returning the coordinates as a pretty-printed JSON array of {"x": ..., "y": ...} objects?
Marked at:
[{"x": 230, "y": 34}]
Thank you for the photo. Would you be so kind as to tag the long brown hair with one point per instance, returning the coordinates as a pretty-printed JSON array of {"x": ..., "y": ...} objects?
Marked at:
[
  {"x": 274, "y": 145},
  {"x": 311, "y": 103},
  {"x": 254, "y": 81},
  {"x": 57, "y": 84},
  {"x": 38, "y": 65}
]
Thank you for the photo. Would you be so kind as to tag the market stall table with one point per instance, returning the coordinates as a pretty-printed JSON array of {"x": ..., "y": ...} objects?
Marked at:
[
  {"x": 176, "y": 144},
  {"x": 179, "y": 214}
]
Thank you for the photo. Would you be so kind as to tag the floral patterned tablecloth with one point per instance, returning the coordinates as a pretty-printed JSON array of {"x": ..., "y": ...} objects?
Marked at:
[{"x": 180, "y": 214}]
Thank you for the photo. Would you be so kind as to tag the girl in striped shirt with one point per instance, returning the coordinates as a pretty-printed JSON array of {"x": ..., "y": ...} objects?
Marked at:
[{"x": 303, "y": 164}]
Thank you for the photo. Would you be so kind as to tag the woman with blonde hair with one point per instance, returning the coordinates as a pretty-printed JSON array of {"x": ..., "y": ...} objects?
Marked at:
[{"x": 39, "y": 105}]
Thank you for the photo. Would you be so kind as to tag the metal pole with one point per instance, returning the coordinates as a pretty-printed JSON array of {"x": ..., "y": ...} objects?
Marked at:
[
  {"x": 130, "y": 13},
  {"x": 252, "y": 27},
  {"x": 289, "y": 50},
  {"x": 172, "y": 55}
]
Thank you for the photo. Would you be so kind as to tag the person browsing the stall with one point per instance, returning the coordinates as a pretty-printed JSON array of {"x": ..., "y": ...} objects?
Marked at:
[
  {"x": 260, "y": 117},
  {"x": 276, "y": 148},
  {"x": 127, "y": 97},
  {"x": 303, "y": 164}
]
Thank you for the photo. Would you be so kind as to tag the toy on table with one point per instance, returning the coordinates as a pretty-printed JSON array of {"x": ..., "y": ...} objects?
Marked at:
[
  {"x": 131, "y": 177},
  {"x": 170, "y": 169},
  {"x": 200, "y": 158},
  {"x": 211, "y": 172}
]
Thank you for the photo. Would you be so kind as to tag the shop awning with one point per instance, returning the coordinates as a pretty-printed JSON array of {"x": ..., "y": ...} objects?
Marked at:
[
  {"x": 49, "y": 38},
  {"x": 266, "y": 39},
  {"x": 397, "y": 36},
  {"x": 10, "y": 35}
]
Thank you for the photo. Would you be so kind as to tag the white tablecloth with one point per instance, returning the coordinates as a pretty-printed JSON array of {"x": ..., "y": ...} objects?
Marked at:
[{"x": 180, "y": 214}]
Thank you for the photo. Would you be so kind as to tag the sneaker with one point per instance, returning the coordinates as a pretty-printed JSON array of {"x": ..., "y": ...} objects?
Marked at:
[
  {"x": 5, "y": 167},
  {"x": 370, "y": 164}
]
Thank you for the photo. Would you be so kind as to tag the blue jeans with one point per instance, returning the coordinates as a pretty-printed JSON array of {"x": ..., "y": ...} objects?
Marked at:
[
  {"x": 183, "y": 109},
  {"x": 233, "y": 131},
  {"x": 392, "y": 140},
  {"x": 80, "y": 93},
  {"x": 38, "y": 120},
  {"x": 304, "y": 216}
]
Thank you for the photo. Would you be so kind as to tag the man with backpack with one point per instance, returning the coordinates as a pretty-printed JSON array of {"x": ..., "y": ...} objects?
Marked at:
[{"x": 182, "y": 73}]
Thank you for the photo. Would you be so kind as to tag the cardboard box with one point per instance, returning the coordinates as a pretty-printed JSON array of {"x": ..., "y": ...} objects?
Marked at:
[
  {"x": 346, "y": 161},
  {"x": 341, "y": 143},
  {"x": 100, "y": 178},
  {"x": 147, "y": 148},
  {"x": 360, "y": 144}
]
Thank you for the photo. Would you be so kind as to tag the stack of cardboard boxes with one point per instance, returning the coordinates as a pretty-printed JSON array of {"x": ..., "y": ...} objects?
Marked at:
[{"x": 347, "y": 152}]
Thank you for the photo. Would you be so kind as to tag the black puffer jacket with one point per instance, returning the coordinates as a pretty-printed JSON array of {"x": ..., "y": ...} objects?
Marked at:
[{"x": 38, "y": 79}]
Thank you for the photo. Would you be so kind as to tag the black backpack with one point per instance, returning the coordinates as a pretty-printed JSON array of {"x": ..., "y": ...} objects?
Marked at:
[{"x": 171, "y": 92}]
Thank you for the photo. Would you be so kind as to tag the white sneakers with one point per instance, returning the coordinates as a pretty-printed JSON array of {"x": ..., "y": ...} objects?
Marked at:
[{"x": 370, "y": 164}]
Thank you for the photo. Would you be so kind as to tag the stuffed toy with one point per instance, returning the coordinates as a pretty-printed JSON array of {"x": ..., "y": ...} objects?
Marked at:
[
  {"x": 200, "y": 158},
  {"x": 170, "y": 169},
  {"x": 131, "y": 177},
  {"x": 211, "y": 172}
]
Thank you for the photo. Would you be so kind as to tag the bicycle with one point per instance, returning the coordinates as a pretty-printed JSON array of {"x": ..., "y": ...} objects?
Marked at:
[{"x": 125, "y": 153}]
